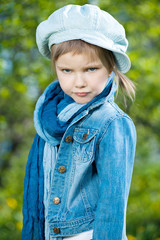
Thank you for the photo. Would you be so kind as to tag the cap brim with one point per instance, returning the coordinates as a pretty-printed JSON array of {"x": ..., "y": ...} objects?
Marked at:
[{"x": 122, "y": 60}]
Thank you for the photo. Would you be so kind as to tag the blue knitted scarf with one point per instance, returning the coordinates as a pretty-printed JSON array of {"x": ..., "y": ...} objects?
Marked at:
[{"x": 49, "y": 105}]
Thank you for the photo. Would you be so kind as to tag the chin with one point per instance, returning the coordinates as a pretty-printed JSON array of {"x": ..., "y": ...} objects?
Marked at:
[{"x": 82, "y": 102}]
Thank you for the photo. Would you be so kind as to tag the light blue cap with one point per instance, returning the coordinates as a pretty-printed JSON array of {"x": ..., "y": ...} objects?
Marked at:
[{"x": 88, "y": 23}]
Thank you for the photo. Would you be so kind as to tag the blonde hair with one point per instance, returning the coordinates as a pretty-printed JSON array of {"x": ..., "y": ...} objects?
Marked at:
[{"x": 93, "y": 51}]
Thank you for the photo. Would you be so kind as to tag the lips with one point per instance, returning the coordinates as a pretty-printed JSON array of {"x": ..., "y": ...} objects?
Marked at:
[{"x": 81, "y": 94}]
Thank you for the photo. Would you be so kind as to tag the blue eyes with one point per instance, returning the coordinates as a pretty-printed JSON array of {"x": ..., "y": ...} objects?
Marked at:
[
  {"x": 87, "y": 70},
  {"x": 66, "y": 70},
  {"x": 92, "y": 69}
]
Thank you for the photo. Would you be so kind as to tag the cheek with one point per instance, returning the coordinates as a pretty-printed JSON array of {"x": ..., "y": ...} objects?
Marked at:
[
  {"x": 64, "y": 85},
  {"x": 99, "y": 81},
  {"x": 61, "y": 80}
]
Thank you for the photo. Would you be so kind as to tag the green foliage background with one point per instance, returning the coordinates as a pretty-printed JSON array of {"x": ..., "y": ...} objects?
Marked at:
[{"x": 23, "y": 76}]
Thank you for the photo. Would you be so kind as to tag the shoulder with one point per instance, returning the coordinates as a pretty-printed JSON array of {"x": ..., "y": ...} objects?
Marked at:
[
  {"x": 107, "y": 112},
  {"x": 117, "y": 123},
  {"x": 110, "y": 118}
]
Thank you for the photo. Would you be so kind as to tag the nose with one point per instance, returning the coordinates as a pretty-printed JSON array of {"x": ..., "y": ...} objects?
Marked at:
[{"x": 80, "y": 81}]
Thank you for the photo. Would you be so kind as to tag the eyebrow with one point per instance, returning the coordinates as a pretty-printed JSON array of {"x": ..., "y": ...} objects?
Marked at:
[
  {"x": 90, "y": 65},
  {"x": 63, "y": 67}
]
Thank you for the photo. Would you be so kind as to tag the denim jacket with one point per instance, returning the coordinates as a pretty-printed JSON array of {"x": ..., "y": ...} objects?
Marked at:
[{"x": 92, "y": 173}]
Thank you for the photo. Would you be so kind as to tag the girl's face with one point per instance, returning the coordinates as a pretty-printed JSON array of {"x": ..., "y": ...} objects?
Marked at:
[{"x": 79, "y": 77}]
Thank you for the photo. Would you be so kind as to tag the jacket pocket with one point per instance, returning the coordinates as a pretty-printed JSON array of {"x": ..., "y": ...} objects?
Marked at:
[{"x": 83, "y": 144}]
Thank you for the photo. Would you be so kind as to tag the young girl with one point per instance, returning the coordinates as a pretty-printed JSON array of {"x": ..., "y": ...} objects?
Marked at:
[{"x": 80, "y": 165}]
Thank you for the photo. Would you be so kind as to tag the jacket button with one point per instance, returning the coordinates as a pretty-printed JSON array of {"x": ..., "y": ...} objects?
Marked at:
[
  {"x": 56, "y": 200},
  {"x": 56, "y": 230},
  {"x": 68, "y": 139},
  {"x": 85, "y": 136},
  {"x": 62, "y": 169}
]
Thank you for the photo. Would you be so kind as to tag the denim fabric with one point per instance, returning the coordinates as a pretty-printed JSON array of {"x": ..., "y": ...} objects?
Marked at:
[
  {"x": 95, "y": 187},
  {"x": 49, "y": 161},
  {"x": 99, "y": 161}
]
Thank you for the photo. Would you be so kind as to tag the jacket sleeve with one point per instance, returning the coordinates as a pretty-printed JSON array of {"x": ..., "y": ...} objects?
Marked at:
[{"x": 114, "y": 164}]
